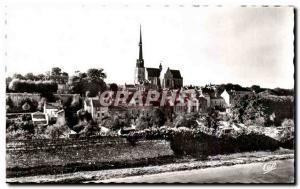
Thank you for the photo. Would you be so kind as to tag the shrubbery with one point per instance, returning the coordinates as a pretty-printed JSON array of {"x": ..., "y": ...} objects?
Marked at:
[
  {"x": 20, "y": 130},
  {"x": 262, "y": 109},
  {"x": 57, "y": 131},
  {"x": 43, "y": 87}
]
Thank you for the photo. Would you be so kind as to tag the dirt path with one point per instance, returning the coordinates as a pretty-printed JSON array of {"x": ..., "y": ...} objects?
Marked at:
[{"x": 281, "y": 171}]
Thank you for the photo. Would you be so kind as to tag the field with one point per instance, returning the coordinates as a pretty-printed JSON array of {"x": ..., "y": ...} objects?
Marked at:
[{"x": 35, "y": 157}]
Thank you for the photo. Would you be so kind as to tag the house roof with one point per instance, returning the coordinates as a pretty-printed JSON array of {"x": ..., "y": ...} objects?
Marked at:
[
  {"x": 129, "y": 86},
  {"x": 96, "y": 103},
  {"x": 38, "y": 115},
  {"x": 176, "y": 74},
  {"x": 216, "y": 98},
  {"x": 52, "y": 105},
  {"x": 231, "y": 92},
  {"x": 153, "y": 72}
]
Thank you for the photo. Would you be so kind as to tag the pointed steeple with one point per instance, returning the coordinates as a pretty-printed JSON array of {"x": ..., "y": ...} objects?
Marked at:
[
  {"x": 140, "y": 60},
  {"x": 141, "y": 45}
]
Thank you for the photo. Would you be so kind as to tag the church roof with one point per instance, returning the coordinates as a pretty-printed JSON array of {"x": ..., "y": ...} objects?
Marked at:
[
  {"x": 176, "y": 74},
  {"x": 153, "y": 72}
]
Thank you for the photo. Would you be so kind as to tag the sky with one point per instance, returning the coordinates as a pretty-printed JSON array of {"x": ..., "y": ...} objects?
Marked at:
[{"x": 215, "y": 45}]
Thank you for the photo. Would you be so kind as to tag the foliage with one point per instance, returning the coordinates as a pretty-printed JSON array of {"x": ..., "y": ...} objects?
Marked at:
[
  {"x": 186, "y": 120},
  {"x": 29, "y": 86},
  {"x": 117, "y": 122},
  {"x": 56, "y": 71},
  {"x": 94, "y": 73},
  {"x": 25, "y": 105},
  {"x": 18, "y": 134},
  {"x": 30, "y": 76},
  {"x": 157, "y": 117},
  {"x": 262, "y": 109},
  {"x": 113, "y": 87},
  {"x": 20, "y": 130},
  {"x": 9, "y": 104},
  {"x": 92, "y": 81},
  {"x": 288, "y": 123},
  {"x": 56, "y": 131},
  {"x": 90, "y": 129},
  {"x": 154, "y": 117}
]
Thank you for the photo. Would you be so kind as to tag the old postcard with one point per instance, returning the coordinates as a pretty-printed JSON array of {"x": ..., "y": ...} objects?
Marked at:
[{"x": 99, "y": 93}]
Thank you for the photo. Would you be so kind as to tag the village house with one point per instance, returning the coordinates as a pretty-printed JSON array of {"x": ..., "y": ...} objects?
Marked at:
[
  {"x": 93, "y": 106},
  {"x": 217, "y": 102},
  {"x": 129, "y": 88},
  {"x": 51, "y": 110},
  {"x": 62, "y": 88},
  {"x": 225, "y": 95},
  {"x": 39, "y": 118},
  {"x": 60, "y": 119},
  {"x": 230, "y": 95},
  {"x": 203, "y": 105}
]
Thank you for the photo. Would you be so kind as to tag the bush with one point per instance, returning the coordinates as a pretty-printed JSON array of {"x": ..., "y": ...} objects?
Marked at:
[
  {"x": 288, "y": 123},
  {"x": 186, "y": 120},
  {"x": 21, "y": 86},
  {"x": 19, "y": 134},
  {"x": 262, "y": 109},
  {"x": 56, "y": 131}
]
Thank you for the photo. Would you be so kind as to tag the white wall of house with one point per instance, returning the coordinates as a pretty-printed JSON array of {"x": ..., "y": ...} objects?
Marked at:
[{"x": 226, "y": 97}]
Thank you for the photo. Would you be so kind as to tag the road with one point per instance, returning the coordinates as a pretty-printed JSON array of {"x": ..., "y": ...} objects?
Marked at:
[{"x": 280, "y": 171}]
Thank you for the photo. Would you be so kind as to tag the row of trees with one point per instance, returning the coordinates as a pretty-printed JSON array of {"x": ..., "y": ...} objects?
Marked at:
[
  {"x": 29, "y": 86},
  {"x": 88, "y": 83},
  {"x": 55, "y": 72}
]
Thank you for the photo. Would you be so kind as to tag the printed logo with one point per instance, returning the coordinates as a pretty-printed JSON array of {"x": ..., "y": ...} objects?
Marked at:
[{"x": 268, "y": 167}]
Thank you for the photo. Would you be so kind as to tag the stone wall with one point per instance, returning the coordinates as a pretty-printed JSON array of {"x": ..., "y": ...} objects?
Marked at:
[{"x": 18, "y": 97}]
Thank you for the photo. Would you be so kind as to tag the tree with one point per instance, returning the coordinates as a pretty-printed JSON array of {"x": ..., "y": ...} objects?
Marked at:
[
  {"x": 41, "y": 77},
  {"x": 44, "y": 87},
  {"x": 186, "y": 120},
  {"x": 157, "y": 117},
  {"x": 28, "y": 105},
  {"x": 30, "y": 76},
  {"x": 90, "y": 130},
  {"x": 9, "y": 104},
  {"x": 56, "y": 71},
  {"x": 57, "y": 131},
  {"x": 18, "y": 76},
  {"x": 255, "y": 88},
  {"x": 113, "y": 87},
  {"x": 91, "y": 81},
  {"x": 142, "y": 122},
  {"x": 94, "y": 73},
  {"x": 64, "y": 74}
]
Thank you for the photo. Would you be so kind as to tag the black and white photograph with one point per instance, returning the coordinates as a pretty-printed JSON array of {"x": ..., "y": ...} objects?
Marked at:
[{"x": 145, "y": 93}]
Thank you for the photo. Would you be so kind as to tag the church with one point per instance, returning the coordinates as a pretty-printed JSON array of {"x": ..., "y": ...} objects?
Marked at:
[{"x": 150, "y": 77}]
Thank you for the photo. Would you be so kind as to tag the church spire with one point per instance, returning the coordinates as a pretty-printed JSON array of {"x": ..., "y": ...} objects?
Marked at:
[
  {"x": 140, "y": 60},
  {"x": 141, "y": 45}
]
